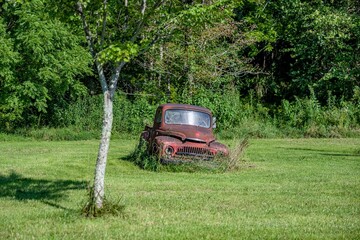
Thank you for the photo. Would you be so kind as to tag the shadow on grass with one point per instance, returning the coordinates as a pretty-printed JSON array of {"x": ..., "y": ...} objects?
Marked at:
[
  {"x": 326, "y": 152},
  {"x": 129, "y": 158},
  {"x": 46, "y": 191}
]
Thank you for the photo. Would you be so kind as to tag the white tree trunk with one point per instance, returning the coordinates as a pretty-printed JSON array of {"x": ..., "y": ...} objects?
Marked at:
[
  {"x": 99, "y": 180},
  {"x": 108, "y": 91}
]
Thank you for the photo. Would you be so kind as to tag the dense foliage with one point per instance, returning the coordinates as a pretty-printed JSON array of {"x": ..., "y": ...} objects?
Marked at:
[
  {"x": 265, "y": 68},
  {"x": 42, "y": 63}
]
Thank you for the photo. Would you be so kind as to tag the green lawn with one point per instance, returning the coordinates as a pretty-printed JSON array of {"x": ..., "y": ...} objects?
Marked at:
[{"x": 294, "y": 189}]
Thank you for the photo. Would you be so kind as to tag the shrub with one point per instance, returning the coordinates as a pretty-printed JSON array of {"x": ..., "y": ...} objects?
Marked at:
[
  {"x": 236, "y": 116},
  {"x": 141, "y": 157}
]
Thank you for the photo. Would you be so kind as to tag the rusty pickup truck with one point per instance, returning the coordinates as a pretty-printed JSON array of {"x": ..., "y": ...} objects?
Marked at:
[{"x": 182, "y": 133}]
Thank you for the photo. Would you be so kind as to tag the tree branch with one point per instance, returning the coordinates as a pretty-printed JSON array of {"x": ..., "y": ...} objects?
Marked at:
[
  {"x": 145, "y": 17},
  {"x": 126, "y": 20},
  {"x": 103, "y": 25},
  {"x": 88, "y": 34},
  {"x": 115, "y": 78},
  {"x": 143, "y": 7},
  {"x": 90, "y": 42}
]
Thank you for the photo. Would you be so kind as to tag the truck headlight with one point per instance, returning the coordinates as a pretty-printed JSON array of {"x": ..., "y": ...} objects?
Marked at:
[{"x": 169, "y": 150}]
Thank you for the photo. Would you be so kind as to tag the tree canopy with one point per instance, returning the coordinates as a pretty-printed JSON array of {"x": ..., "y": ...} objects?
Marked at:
[{"x": 192, "y": 51}]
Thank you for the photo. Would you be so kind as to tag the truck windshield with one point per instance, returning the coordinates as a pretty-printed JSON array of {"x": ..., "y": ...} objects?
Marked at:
[{"x": 187, "y": 117}]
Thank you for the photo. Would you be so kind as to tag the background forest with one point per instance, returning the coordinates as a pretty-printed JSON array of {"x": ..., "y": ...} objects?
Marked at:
[{"x": 265, "y": 68}]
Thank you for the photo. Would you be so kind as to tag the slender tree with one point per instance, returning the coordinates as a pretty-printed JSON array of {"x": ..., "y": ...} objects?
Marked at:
[{"x": 114, "y": 32}]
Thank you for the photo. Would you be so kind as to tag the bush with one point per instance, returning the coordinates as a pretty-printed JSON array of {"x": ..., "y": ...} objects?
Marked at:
[
  {"x": 314, "y": 120},
  {"x": 236, "y": 116},
  {"x": 141, "y": 157}
]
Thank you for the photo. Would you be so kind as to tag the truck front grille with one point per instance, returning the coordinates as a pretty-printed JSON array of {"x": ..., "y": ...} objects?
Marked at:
[{"x": 194, "y": 151}]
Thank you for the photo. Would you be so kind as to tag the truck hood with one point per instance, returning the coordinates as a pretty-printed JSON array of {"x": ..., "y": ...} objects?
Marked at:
[{"x": 189, "y": 133}]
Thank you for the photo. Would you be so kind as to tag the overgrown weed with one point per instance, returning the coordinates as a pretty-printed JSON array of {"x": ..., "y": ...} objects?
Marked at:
[
  {"x": 235, "y": 161},
  {"x": 109, "y": 207},
  {"x": 141, "y": 157}
]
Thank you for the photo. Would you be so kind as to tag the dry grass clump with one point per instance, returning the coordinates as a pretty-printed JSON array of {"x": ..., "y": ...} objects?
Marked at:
[{"x": 236, "y": 160}]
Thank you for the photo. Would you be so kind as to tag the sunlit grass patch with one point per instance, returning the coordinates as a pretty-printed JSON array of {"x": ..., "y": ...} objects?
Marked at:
[{"x": 299, "y": 189}]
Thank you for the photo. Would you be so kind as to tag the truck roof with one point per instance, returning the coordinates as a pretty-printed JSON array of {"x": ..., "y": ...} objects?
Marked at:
[{"x": 185, "y": 107}]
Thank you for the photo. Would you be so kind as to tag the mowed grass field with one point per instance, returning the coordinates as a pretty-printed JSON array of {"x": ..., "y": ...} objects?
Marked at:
[{"x": 288, "y": 189}]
